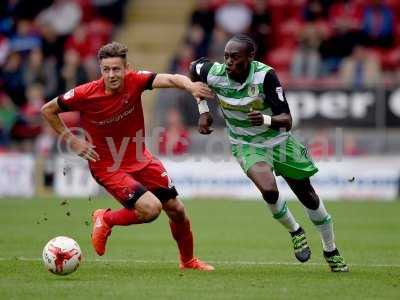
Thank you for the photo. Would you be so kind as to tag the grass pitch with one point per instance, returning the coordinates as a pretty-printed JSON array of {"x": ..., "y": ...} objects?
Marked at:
[{"x": 251, "y": 252}]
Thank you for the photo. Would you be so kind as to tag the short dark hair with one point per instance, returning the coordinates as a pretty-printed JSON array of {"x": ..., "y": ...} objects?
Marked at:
[
  {"x": 245, "y": 39},
  {"x": 113, "y": 49}
]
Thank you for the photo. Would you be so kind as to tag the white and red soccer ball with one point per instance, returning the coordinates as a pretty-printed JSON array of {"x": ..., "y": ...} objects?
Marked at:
[{"x": 62, "y": 255}]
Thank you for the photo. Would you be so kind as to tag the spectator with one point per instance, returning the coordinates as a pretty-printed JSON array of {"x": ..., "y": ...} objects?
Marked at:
[
  {"x": 72, "y": 72},
  {"x": 174, "y": 140},
  {"x": 52, "y": 44},
  {"x": 378, "y": 25},
  {"x": 306, "y": 60},
  {"x": 218, "y": 40},
  {"x": 25, "y": 39},
  {"x": 44, "y": 148},
  {"x": 13, "y": 80},
  {"x": 338, "y": 45},
  {"x": 181, "y": 61},
  {"x": 360, "y": 70},
  {"x": 315, "y": 10},
  {"x": 320, "y": 147},
  {"x": 196, "y": 38},
  {"x": 351, "y": 147},
  {"x": 29, "y": 122},
  {"x": 36, "y": 63},
  {"x": 81, "y": 43},
  {"x": 203, "y": 16},
  {"x": 7, "y": 16},
  {"x": 113, "y": 10},
  {"x": 38, "y": 70},
  {"x": 260, "y": 28},
  {"x": 8, "y": 115},
  {"x": 349, "y": 12},
  {"x": 233, "y": 16},
  {"x": 63, "y": 15},
  {"x": 4, "y": 49},
  {"x": 28, "y": 9},
  {"x": 35, "y": 100}
]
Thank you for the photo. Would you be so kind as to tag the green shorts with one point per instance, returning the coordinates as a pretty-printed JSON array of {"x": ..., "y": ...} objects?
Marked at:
[{"x": 289, "y": 159}]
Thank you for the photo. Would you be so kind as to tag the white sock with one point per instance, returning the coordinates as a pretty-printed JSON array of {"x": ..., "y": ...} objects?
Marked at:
[
  {"x": 282, "y": 214},
  {"x": 323, "y": 222}
]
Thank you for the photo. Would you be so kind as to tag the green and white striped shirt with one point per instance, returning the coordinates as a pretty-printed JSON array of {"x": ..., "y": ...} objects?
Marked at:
[{"x": 260, "y": 92}]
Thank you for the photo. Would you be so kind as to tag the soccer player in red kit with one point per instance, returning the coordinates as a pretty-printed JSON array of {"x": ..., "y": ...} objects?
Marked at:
[{"x": 112, "y": 115}]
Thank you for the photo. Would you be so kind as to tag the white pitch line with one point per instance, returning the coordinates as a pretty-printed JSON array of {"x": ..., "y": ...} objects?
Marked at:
[{"x": 233, "y": 263}]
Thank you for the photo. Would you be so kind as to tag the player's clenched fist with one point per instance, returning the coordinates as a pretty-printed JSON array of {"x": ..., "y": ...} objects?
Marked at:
[
  {"x": 256, "y": 118},
  {"x": 205, "y": 122}
]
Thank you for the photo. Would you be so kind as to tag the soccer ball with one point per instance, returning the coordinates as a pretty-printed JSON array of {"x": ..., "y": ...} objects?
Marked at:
[{"x": 62, "y": 255}]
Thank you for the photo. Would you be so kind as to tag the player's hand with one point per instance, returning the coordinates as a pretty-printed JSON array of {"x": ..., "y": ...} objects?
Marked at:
[
  {"x": 256, "y": 118},
  {"x": 201, "y": 90},
  {"x": 83, "y": 149},
  {"x": 205, "y": 121}
]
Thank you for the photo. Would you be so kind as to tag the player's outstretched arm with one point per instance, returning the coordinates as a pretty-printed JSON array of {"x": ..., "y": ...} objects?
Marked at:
[
  {"x": 81, "y": 147},
  {"x": 198, "y": 71},
  {"x": 199, "y": 90}
]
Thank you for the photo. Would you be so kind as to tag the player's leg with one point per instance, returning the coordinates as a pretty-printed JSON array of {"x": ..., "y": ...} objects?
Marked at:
[
  {"x": 156, "y": 179},
  {"x": 182, "y": 233},
  {"x": 322, "y": 220},
  {"x": 140, "y": 206},
  {"x": 262, "y": 176}
]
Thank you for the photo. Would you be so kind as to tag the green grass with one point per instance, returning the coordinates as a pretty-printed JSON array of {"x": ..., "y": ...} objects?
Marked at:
[{"x": 250, "y": 251}]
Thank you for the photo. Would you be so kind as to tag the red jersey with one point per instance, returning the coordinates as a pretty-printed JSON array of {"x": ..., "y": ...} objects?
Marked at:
[{"x": 115, "y": 122}]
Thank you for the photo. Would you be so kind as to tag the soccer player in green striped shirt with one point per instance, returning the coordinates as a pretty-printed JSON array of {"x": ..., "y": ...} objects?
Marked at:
[{"x": 258, "y": 119}]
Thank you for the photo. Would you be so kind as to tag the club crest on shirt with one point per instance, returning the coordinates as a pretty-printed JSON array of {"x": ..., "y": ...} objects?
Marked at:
[
  {"x": 253, "y": 90},
  {"x": 69, "y": 94}
]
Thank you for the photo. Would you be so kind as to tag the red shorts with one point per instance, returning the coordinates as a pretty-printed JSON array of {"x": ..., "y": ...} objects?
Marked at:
[{"x": 127, "y": 187}]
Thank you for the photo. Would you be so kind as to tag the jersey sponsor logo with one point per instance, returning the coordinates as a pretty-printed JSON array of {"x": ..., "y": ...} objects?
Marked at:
[
  {"x": 116, "y": 118},
  {"x": 253, "y": 90},
  {"x": 257, "y": 104},
  {"x": 279, "y": 92},
  {"x": 69, "y": 94}
]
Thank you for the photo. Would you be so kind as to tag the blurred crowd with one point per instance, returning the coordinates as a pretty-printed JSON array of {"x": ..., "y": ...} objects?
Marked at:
[
  {"x": 46, "y": 48},
  {"x": 344, "y": 44},
  {"x": 352, "y": 43},
  {"x": 49, "y": 46}
]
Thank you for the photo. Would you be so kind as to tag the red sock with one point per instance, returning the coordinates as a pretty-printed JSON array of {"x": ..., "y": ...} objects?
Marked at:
[
  {"x": 183, "y": 236},
  {"x": 122, "y": 217}
]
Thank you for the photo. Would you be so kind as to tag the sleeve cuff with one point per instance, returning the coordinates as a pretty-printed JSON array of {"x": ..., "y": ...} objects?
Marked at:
[
  {"x": 61, "y": 104},
  {"x": 149, "y": 84}
]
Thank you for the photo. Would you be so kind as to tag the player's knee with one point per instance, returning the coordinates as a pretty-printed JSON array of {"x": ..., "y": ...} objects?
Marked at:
[
  {"x": 148, "y": 209},
  {"x": 311, "y": 200},
  {"x": 270, "y": 195},
  {"x": 153, "y": 211}
]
